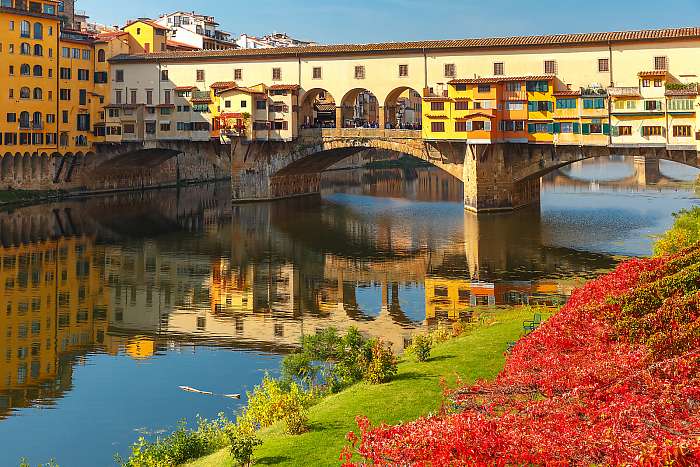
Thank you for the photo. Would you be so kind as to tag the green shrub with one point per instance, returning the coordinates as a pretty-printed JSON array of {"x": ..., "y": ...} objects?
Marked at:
[
  {"x": 684, "y": 233},
  {"x": 180, "y": 446},
  {"x": 271, "y": 402},
  {"x": 25, "y": 463},
  {"x": 328, "y": 360},
  {"x": 382, "y": 365},
  {"x": 440, "y": 334},
  {"x": 299, "y": 366},
  {"x": 421, "y": 347},
  {"x": 243, "y": 440}
]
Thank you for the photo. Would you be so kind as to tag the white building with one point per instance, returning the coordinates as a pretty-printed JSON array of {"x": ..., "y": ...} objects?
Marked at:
[
  {"x": 278, "y": 39},
  {"x": 196, "y": 31}
]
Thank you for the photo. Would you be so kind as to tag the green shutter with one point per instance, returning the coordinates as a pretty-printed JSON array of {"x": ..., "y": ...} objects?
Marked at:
[
  {"x": 550, "y": 106},
  {"x": 557, "y": 128},
  {"x": 577, "y": 127},
  {"x": 606, "y": 129},
  {"x": 615, "y": 131},
  {"x": 531, "y": 128},
  {"x": 586, "y": 128},
  {"x": 532, "y": 106}
]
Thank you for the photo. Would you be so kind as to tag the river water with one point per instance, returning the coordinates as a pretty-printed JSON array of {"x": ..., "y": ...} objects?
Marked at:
[{"x": 109, "y": 305}]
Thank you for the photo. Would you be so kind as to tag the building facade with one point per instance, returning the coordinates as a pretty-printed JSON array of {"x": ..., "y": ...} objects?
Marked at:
[{"x": 196, "y": 31}]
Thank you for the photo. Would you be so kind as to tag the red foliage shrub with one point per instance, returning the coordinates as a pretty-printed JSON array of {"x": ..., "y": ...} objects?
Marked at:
[{"x": 613, "y": 379}]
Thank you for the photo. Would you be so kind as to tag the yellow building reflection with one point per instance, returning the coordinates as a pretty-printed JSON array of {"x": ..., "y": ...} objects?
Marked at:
[{"x": 52, "y": 304}]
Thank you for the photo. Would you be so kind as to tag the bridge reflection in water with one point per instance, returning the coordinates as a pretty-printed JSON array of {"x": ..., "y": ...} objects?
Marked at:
[{"x": 144, "y": 273}]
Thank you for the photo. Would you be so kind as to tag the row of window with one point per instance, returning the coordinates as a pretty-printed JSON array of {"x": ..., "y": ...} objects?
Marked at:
[
  {"x": 27, "y": 49},
  {"x": 67, "y": 73},
  {"x": 26, "y": 28},
  {"x": 27, "y": 70},
  {"x": 76, "y": 53},
  {"x": 593, "y": 128},
  {"x": 27, "y": 93},
  {"x": 23, "y": 138}
]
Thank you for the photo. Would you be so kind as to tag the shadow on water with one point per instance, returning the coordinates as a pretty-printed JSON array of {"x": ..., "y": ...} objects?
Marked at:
[{"x": 172, "y": 288}]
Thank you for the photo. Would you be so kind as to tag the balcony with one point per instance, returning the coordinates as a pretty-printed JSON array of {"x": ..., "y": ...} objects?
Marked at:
[{"x": 515, "y": 95}]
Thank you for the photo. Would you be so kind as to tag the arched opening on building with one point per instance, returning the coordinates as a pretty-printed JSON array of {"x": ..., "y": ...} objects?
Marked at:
[
  {"x": 38, "y": 50},
  {"x": 26, "y": 166},
  {"x": 360, "y": 109},
  {"x": 6, "y": 167},
  {"x": 318, "y": 109},
  {"x": 44, "y": 165},
  {"x": 403, "y": 109},
  {"x": 17, "y": 167},
  {"x": 36, "y": 167}
]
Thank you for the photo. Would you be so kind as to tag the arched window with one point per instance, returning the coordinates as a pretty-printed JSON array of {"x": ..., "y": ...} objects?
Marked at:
[
  {"x": 37, "y": 93},
  {"x": 38, "y": 70},
  {"x": 25, "y": 49},
  {"x": 25, "y": 70},
  {"x": 101, "y": 55},
  {"x": 24, "y": 120},
  {"x": 38, "y": 50},
  {"x": 38, "y": 31},
  {"x": 24, "y": 29},
  {"x": 36, "y": 121},
  {"x": 25, "y": 93}
]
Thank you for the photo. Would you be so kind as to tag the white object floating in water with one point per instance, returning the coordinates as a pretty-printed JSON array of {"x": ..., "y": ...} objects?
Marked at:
[
  {"x": 208, "y": 393},
  {"x": 189, "y": 389}
]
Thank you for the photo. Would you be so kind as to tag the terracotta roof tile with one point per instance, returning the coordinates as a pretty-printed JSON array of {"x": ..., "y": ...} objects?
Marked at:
[
  {"x": 223, "y": 85},
  {"x": 502, "y": 79},
  {"x": 653, "y": 74},
  {"x": 567, "y": 93},
  {"x": 284, "y": 87},
  {"x": 555, "y": 40},
  {"x": 202, "y": 100},
  {"x": 186, "y": 88},
  {"x": 691, "y": 91},
  {"x": 325, "y": 107}
]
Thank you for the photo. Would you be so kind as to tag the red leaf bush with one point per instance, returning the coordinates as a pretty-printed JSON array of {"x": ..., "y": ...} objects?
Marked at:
[{"x": 612, "y": 379}]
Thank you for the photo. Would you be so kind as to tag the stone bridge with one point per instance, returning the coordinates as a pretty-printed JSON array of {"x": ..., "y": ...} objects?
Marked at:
[
  {"x": 500, "y": 176},
  {"x": 116, "y": 167}
]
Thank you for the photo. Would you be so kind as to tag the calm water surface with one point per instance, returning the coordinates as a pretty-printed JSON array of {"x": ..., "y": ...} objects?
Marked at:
[{"x": 108, "y": 305}]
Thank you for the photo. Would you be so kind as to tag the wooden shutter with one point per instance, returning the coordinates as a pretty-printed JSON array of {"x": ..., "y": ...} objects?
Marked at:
[
  {"x": 586, "y": 128},
  {"x": 487, "y": 126},
  {"x": 606, "y": 128},
  {"x": 531, "y": 128},
  {"x": 557, "y": 127},
  {"x": 577, "y": 128}
]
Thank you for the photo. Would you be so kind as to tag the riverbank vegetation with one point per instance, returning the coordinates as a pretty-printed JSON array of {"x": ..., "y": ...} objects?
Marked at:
[
  {"x": 8, "y": 197},
  {"x": 684, "y": 233},
  {"x": 337, "y": 377},
  {"x": 612, "y": 379}
]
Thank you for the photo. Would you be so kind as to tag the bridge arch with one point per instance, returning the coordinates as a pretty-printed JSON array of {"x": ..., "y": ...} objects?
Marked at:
[
  {"x": 6, "y": 172},
  {"x": 403, "y": 108},
  {"x": 360, "y": 107},
  {"x": 318, "y": 109}
]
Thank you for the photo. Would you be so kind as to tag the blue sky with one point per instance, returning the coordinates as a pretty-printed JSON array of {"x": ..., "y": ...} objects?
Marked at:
[{"x": 331, "y": 21}]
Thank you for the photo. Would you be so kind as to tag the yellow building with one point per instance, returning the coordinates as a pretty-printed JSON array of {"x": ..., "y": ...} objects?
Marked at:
[
  {"x": 107, "y": 45},
  {"x": 257, "y": 113},
  {"x": 29, "y": 34},
  {"x": 76, "y": 92},
  {"x": 146, "y": 36},
  {"x": 540, "y": 109}
]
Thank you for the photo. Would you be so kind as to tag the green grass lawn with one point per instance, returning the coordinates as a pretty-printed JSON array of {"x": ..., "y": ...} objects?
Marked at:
[{"x": 414, "y": 392}]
